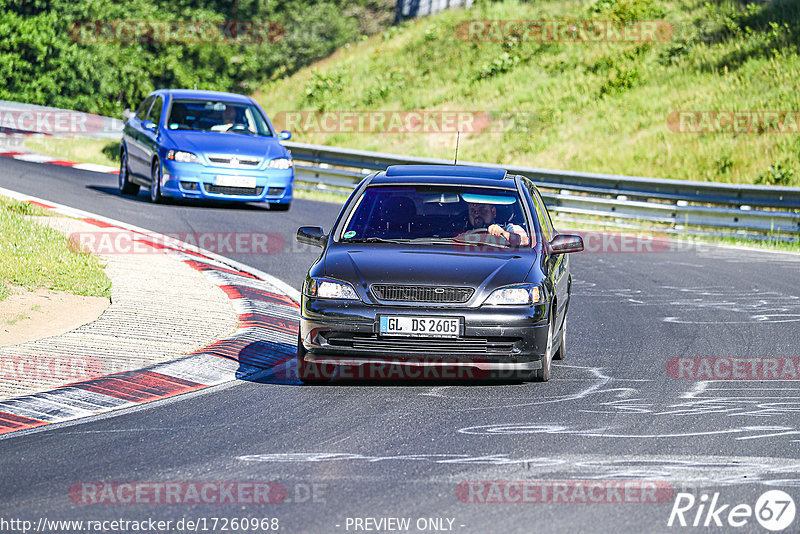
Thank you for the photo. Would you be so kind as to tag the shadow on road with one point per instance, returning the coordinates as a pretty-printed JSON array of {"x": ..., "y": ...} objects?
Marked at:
[
  {"x": 284, "y": 372},
  {"x": 144, "y": 197}
]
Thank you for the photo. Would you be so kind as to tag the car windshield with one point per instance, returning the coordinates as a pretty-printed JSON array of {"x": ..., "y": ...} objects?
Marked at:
[
  {"x": 433, "y": 214},
  {"x": 216, "y": 116}
]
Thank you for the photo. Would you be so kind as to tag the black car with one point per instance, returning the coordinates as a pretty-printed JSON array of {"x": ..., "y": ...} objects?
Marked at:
[{"x": 436, "y": 271}]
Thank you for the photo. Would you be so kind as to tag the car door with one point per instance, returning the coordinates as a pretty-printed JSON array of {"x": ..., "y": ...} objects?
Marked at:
[
  {"x": 134, "y": 137},
  {"x": 556, "y": 265},
  {"x": 150, "y": 137}
]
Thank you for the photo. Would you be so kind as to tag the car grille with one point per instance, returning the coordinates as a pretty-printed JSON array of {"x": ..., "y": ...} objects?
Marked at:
[
  {"x": 427, "y": 346},
  {"x": 227, "y": 190},
  {"x": 226, "y": 160},
  {"x": 431, "y": 294}
]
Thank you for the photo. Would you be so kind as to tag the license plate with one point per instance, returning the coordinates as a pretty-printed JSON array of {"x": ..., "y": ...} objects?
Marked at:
[
  {"x": 235, "y": 181},
  {"x": 405, "y": 325}
]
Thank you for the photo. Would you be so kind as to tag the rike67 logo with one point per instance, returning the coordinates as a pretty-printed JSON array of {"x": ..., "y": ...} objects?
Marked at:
[{"x": 774, "y": 510}]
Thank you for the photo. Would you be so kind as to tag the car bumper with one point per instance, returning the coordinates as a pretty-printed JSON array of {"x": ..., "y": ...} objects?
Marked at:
[
  {"x": 182, "y": 180},
  {"x": 496, "y": 338}
]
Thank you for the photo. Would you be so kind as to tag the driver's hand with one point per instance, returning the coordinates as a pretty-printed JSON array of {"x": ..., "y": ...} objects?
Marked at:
[{"x": 497, "y": 231}]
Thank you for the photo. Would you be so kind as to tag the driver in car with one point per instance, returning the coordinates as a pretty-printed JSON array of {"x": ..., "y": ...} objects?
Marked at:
[
  {"x": 483, "y": 216},
  {"x": 228, "y": 119}
]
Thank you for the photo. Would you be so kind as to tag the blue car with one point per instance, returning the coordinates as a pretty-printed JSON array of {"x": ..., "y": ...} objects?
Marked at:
[{"x": 205, "y": 145}]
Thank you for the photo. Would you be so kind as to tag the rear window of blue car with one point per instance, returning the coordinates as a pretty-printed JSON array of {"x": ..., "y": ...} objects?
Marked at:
[{"x": 217, "y": 116}]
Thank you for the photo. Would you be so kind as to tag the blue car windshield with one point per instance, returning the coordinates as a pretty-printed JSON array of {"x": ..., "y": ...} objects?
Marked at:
[
  {"x": 423, "y": 213},
  {"x": 216, "y": 116}
]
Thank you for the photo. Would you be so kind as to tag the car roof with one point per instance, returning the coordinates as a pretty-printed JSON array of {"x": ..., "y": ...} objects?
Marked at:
[
  {"x": 445, "y": 175},
  {"x": 207, "y": 95}
]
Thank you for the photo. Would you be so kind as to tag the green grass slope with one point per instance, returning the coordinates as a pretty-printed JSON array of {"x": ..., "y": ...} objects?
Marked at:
[{"x": 599, "y": 107}]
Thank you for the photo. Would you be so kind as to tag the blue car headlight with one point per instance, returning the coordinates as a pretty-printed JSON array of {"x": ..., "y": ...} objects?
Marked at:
[
  {"x": 514, "y": 295},
  {"x": 324, "y": 288},
  {"x": 182, "y": 157},
  {"x": 280, "y": 163}
]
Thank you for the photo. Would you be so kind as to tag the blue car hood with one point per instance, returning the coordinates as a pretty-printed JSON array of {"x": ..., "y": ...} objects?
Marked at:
[{"x": 226, "y": 143}]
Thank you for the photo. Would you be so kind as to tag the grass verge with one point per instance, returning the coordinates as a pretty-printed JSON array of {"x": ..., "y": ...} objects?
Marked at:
[
  {"x": 78, "y": 149},
  {"x": 583, "y": 106},
  {"x": 33, "y": 255}
]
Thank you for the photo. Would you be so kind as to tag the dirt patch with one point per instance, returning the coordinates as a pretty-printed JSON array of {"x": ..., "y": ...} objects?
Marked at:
[{"x": 31, "y": 315}]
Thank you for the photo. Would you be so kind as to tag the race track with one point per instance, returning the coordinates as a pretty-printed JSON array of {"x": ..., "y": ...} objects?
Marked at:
[{"x": 612, "y": 412}]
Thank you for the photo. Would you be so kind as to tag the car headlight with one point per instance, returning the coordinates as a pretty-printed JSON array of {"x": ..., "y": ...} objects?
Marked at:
[
  {"x": 323, "y": 288},
  {"x": 280, "y": 163},
  {"x": 525, "y": 294},
  {"x": 182, "y": 157}
]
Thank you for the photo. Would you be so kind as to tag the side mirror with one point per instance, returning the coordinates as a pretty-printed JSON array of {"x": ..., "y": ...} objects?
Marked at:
[
  {"x": 311, "y": 235},
  {"x": 149, "y": 125},
  {"x": 566, "y": 243},
  {"x": 127, "y": 114},
  {"x": 285, "y": 135}
]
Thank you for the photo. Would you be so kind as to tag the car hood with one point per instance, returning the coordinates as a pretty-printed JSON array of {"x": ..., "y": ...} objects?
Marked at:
[
  {"x": 227, "y": 143},
  {"x": 424, "y": 265}
]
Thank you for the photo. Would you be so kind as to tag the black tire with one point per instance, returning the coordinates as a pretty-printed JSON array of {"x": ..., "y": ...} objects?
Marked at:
[
  {"x": 280, "y": 207},
  {"x": 309, "y": 373},
  {"x": 543, "y": 374},
  {"x": 125, "y": 185},
  {"x": 155, "y": 184},
  {"x": 561, "y": 353}
]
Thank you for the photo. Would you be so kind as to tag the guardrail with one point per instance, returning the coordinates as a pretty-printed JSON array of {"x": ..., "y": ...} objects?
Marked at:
[
  {"x": 682, "y": 205},
  {"x": 619, "y": 200}
]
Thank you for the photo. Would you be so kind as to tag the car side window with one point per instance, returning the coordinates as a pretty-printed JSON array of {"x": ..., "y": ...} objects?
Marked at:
[
  {"x": 546, "y": 215},
  {"x": 155, "y": 111},
  {"x": 145, "y": 107},
  {"x": 541, "y": 212}
]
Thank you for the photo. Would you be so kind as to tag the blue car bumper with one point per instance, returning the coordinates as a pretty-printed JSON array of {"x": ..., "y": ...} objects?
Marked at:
[{"x": 190, "y": 180}]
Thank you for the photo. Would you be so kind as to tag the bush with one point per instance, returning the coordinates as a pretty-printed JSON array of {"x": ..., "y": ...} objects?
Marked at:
[
  {"x": 776, "y": 174},
  {"x": 43, "y": 60}
]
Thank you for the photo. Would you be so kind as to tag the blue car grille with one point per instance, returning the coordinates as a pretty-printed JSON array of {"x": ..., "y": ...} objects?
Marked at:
[
  {"x": 227, "y": 190},
  {"x": 233, "y": 161}
]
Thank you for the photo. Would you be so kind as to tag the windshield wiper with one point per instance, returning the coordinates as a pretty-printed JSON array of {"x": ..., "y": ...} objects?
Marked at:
[
  {"x": 376, "y": 240},
  {"x": 478, "y": 243}
]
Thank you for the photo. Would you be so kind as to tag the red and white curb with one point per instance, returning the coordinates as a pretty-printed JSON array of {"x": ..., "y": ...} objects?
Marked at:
[
  {"x": 40, "y": 158},
  {"x": 266, "y": 339}
]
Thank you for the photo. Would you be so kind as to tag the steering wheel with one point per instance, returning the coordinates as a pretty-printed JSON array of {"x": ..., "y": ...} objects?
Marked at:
[
  {"x": 238, "y": 127},
  {"x": 477, "y": 233}
]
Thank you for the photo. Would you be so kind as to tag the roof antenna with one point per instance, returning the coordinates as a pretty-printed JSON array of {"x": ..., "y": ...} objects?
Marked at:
[
  {"x": 458, "y": 136},
  {"x": 195, "y": 86}
]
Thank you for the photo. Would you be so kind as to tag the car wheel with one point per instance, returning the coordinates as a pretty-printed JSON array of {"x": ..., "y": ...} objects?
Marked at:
[
  {"x": 562, "y": 349},
  {"x": 543, "y": 374},
  {"x": 280, "y": 207},
  {"x": 125, "y": 186},
  {"x": 309, "y": 373},
  {"x": 155, "y": 185}
]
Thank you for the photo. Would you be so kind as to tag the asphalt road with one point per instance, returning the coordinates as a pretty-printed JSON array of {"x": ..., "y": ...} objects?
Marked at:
[{"x": 611, "y": 413}]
